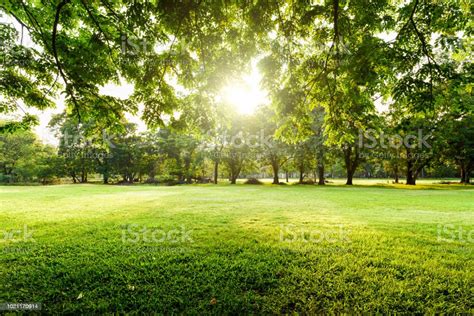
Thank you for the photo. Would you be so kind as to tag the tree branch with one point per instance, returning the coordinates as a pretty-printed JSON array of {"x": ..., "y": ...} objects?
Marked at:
[{"x": 56, "y": 58}]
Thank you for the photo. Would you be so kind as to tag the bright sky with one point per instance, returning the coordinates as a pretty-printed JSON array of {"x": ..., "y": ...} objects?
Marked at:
[{"x": 246, "y": 94}]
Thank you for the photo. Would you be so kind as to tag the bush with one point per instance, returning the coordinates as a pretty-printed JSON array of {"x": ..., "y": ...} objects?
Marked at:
[
  {"x": 152, "y": 181},
  {"x": 309, "y": 181},
  {"x": 203, "y": 180},
  {"x": 253, "y": 181},
  {"x": 172, "y": 182}
]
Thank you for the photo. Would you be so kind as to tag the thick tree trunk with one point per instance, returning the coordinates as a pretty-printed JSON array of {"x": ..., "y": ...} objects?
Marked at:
[
  {"x": 216, "y": 171},
  {"x": 275, "y": 168},
  {"x": 234, "y": 174},
  {"x": 466, "y": 176},
  {"x": 321, "y": 174},
  {"x": 411, "y": 178},
  {"x": 349, "y": 179}
]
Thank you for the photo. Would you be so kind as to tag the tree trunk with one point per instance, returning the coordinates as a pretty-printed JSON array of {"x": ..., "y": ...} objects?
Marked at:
[
  {"x": 234, "y": 174},
  {"x": 411, "y": 177},
  {"x": 351, "y": 163},
  {"x": 286, "y": 175},
  {"x": 321, "y": 174},
  {"x": 466, "y": 175},
  {"x": 275, "y": 168},
  {"x": 395, "y": 170},
  {"x": 216, "y": 171},
  {"x": 411, "y": 180},
  {"x": 350, "y": 174},
  {"x": 463, "y": 172},
  {"x": 83, "y": 175},
  {"x": 301, "y": 177},
  {"x": 349, "y": 179}
]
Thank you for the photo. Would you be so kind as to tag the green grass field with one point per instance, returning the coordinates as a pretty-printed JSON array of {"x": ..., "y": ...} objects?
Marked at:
[{"x": 238, "y": 249}]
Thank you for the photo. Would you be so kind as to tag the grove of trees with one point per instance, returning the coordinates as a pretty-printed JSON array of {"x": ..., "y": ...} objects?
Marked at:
[{"x": 328, "y": 66}]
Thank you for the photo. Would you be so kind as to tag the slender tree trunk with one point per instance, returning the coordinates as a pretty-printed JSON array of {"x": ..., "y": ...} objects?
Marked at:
[
  {"x": 351, "y": 163},
  {"x": 411, "y": 178},
  {"x": 395, "y": 170},
  {"x": 463, "y": 173},
  {"x": 301, "y": 176},
  {"x": 216, "y": 171},
  {"x": 286, "y": 175}
]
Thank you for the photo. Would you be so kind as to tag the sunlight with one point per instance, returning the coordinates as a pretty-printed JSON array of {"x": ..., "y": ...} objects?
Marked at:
[{"x": 246, "y": 94}]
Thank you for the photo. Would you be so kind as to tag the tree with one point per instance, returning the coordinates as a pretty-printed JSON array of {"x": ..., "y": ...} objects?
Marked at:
[
  {"x": 25, "y": 79},
  {"x": 272, "y": 151},
  {"x": 418, "y": 75},
  {"x": 237, "y": 149},
  {"x": 23, "y": 158},
  {"x": 459, "y": 138}
]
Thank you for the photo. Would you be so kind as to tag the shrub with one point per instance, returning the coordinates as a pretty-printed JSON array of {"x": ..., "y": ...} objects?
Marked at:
[{"x": 253, "y": 181}]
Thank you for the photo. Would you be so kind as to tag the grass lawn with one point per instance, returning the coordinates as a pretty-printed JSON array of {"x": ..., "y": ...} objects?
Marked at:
[{"x": 238, "y": 249}]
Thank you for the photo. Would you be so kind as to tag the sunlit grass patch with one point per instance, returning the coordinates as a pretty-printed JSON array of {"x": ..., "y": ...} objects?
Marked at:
[{"x": 238, "y": 249}]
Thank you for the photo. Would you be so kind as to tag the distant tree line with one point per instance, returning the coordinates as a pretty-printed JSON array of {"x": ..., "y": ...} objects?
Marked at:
[{"x": 244, "y": 148}]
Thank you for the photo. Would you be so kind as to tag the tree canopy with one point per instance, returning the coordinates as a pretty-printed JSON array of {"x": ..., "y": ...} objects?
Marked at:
[{"x": 327, "y": 65}]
